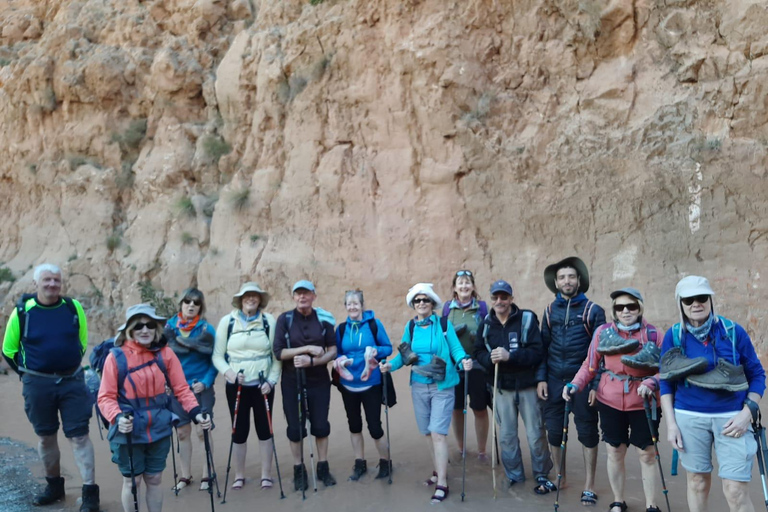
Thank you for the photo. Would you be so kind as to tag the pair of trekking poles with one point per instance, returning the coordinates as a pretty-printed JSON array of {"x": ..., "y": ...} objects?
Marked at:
[{"x": 262, "y": 380}]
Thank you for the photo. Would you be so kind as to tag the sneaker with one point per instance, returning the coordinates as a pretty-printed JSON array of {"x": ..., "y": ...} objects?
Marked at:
[
  {"x": 434, "y": 370},
  {"x": 674, "y": 365},
  {"x": 370, "y": 363},
  {"x": 341, "y": 363},
  {"x": 361, "y": 468},
  {"x": 611, "y": 343},
  {"x": 300, "y": 477},
  {"x": 646, "y": 359},
  {"x": 724, "y": 376},
  {"x": 408, "y": 355},
  {"x": 53, "y": 492},
  {"x": 324, "y": 474},
  {"x": 90, "y": 498},
  {"x": 384, "y": 469}
]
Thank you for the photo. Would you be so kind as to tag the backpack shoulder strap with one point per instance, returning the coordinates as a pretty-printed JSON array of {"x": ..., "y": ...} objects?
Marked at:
[
  {"x": 444, "y": 324},
  {"x": 373, "y": 327},
  {"x": 288, "y": 324},
  {"x": 447, "y": 308},
  {"x": 161, "y": 364},
  {"x": 122, "y": 365},
  {"x": 651, "y": 334},
  {"x": 342, "y": 330},
  {"x": 527, "y": 319},
  {"x": 585, "y": 317},
  {"x": 483, "y": 309},
  {"x": 411, "y": 327},
  {"x": 230, "y": 327},
  {"x": 547, "y": 314},
  {"x": 730, "y": 329},
  {"x": 266, "y": 324},
  {"x": 485, "y": 333},
  {"x": 676, "y": 342}
]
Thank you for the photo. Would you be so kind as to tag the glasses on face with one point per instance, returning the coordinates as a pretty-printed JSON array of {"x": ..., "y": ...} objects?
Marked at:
[
  {"x": 461, "y": 273},
  {"x": 500, "y": 298},
  {"x": 192, "y": 301},
  {"x": 701, "y": 299},
  {"x": 422, "y": 301},
  {"x": 632, "y": 307},
  {"x": 149, "y": 325}
]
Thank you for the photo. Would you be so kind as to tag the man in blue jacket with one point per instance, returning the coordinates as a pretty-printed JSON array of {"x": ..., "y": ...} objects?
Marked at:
[{"x": 566, "y": 331}]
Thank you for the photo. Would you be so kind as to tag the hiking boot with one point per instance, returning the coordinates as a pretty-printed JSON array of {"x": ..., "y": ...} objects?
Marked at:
[
  {"x": 361, "y": 468},
  {"x": 384, "y": 465},
  {"x": 460, "y": 329},
  {"x": 724, "y": 376},
  {"x": 674, "y": 365},
  {"x": 300, "y": 477},
  {"x": 90, "y": 498},
  {"x": 611, "y": 343},
  {"x": 53, "y": 492},
  {"x": 434, "y": 370},
  {"x": 646, "y": 359},
  {"x": 408, "y": 355},
  {"x": 324, "y": 474}
]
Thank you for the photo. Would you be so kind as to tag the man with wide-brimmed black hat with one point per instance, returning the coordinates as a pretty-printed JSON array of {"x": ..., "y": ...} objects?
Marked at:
[{"x": 566, "y": 330}]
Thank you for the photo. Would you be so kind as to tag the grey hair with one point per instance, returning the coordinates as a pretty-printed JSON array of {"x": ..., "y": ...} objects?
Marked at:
[
  {"x": 45, "y": 267},
  {"x": 354, "y": 293}
]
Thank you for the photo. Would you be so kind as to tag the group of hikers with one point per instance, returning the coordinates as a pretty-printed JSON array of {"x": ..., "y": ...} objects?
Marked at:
[{"x": 703, "y": 376}]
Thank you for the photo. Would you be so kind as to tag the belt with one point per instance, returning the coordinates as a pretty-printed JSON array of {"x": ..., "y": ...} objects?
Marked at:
[
  {"x": 58, "y": 376},
  {"x": 255, "y": 358}
]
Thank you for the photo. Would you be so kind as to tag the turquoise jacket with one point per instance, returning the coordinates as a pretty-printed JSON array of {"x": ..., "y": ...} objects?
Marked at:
[{"x": 431, "y": 341}]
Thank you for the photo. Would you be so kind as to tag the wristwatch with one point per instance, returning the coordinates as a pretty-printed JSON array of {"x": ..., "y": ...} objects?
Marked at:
[{"x": 753, "y": 408}]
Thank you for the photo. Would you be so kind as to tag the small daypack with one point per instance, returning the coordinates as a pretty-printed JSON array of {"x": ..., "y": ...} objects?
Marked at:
[
  {"x": 99, "y": 354},
  {"x": 526, "y": 326},
  {"x": 730, "y": 329}
]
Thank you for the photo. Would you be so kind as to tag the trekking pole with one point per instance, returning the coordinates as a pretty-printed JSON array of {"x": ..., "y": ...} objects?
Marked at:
[
  {"x": 654, "y": 437},
  {"x": 493, "y": 426},
  {"x": 759, "y": 433},
  {"x": 98, "y": 420},
  {"x": 173, "y": 458},
  {"x": 232, "y": 442},
  {"x": 262, "y": 380},
  {"x": 563, "y": 444},
  {"x": 386, "y": 415},
  {"x": 134, "y": 490},
  {"x": 209, "y": 450},
  {"x": 311, "y": 450},
  {"x": 464, "y": 441},
  {"x": 211, "y": 472},
  {"x": 302, "y": 428}
]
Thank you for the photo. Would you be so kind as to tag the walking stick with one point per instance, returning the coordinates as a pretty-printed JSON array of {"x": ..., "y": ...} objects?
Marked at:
[
  {"x": 386, "y": 415},
  {"x": 211, "y": 472},
  {"x": 655, "y": 438},
  {"x": 208, "y": 450},
  {"x": 175, "y": 473},
  {"x": 232, "y": 442},
  {"x": 759, "y": 433},
  {"x": 464, "y": 441},
  {"x": 302, "y": 428},
  {"x": 262, "y": 380},
  {"x": 563, "y": 444},
  {"x": 493, "y": 426},
  {"x": 134, "y": 490},
  {"x": 306, "y": 411}
]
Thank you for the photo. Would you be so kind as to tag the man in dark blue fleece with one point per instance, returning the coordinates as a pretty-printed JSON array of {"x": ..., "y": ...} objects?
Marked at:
[{"x": 566, "y": 331}]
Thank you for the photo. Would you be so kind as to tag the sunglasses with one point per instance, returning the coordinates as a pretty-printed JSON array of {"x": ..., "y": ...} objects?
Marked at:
[
  {"x": 422, "y": 301},
  {"x": 149, "y": 325},
  {"x": 701, "y": 299},
  {"x": 192, "y": 301},
  {"x": 632, "y": 308},
  {"x": 503, "y": 297},
  {"x": 461, "y": 273}
]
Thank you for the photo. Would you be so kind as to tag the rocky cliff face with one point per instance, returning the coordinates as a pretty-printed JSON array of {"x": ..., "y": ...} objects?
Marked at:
[{"x": 150, "y": 146}]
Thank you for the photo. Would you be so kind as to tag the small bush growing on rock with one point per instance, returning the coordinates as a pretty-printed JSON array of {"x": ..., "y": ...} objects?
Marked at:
[
  {"x": 255, "y": 238},
  {"x": 78, "y": 160},
  {"x": 4, "y": 62},
  {"x": 187, "y": 238},
  {"x": 113, "y": 241},
  {"x": 215, "y": 147},
  {"x": 210, "y": 205},
  {"x": 316, "y": 2},
  {"x": 185, "y": 207},
  {"x": 131, "y": 138},
  {"x": 126, "y": 177},
  {"x": 239, "y": 199},
  {"x": 165, "y": 306},
  {"x": 6, "y": 275}
]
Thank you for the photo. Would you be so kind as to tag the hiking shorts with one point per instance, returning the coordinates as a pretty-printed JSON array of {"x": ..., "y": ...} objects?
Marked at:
[
  {"x": 148, "y": 458},
  {"x": 46, "y": 398},
  {"x": 626, "y": 427},
  {"x": 433, "y": 408},
  {"x": 479, "y": 395},
  {"x": 205, "y": 400},
  {"x": 735, "y": 455},
  {"x": 318, "y": 403},
  {"x": 584, "y": 415}
]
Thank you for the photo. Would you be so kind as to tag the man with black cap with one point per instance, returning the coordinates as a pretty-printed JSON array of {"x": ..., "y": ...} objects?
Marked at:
[
  {"x": 566, "y": 331},
  {"x": 305, "y": 341},
  {"x": 509, "y": 337}
]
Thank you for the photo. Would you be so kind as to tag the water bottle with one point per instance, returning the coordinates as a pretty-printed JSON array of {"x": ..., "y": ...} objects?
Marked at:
[
  {"x": 92, "y": 382},
  {"x": 513, "y": 343}
]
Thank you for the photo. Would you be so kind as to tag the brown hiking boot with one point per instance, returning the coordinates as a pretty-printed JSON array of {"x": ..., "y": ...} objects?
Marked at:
[
  {"x": 674, "y": 365},
  {"x": 408, "y": 355},
  {"x": 611, "y": 343},
  {"x": 724, "y": 376}
]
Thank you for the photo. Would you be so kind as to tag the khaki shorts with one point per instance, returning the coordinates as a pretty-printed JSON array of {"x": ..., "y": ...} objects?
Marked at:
[{"x": 735, "y": 455}]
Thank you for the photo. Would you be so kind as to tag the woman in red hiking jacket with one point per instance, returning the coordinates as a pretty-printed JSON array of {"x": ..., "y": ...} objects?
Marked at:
[{"x": 133, "y": 397}]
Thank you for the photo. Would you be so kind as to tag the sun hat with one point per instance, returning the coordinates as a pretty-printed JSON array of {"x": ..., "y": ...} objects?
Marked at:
[
  {"x": 691, "y": 286},
  {"x": 423, "y": 289},
  {"x": 501, "y": 286},
  {"x": 136, "y": 310},
  {"x": 250, "y": 287},
  {"x": 550, "y": 273},
  {"x": 306, "y": 285},
  {"x": 632, "y": 292}
]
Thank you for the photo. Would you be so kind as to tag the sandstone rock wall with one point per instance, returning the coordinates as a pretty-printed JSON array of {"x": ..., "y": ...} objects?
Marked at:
[{"x": 150, "y": 146}]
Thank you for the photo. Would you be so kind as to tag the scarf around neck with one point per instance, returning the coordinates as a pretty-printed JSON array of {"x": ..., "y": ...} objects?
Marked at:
[{"x": 701, "y": 332}]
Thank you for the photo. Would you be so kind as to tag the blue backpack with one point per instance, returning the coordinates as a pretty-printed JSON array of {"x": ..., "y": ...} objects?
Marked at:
[{"x": 730, "y": 329}]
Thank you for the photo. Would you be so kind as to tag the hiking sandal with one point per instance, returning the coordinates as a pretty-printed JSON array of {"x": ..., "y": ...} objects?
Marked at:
[
  {"x": 439, "y": 499},
  {"x": 182, "y": 483},
  {"x": 545, "y": 486},
  {"x": 621, "y": 504},
  {"x": 588, "y": 498}
]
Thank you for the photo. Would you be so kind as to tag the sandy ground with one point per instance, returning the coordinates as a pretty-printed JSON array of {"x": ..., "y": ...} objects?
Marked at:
[{"x": 409, "y": 454}]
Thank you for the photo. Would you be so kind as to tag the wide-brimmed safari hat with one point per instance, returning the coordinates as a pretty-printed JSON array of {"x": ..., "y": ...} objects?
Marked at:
[
  {"x": 250, "y": 286},
  {"x": 550, "y": 273},
  {"x": 133, "y": 311}
]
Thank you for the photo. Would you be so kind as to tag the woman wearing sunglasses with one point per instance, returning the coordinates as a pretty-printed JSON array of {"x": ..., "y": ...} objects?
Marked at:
[
  {"x": 191, "y": 338},
  {"x": 429, "y": 343},
  {"x": 466, "y": 311},
  {"x": 133, "y": 398},
  {"x": 711, "y": 383},
  {"x": 243, "y": 354},
  {"x": 624, "y": 355}
]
